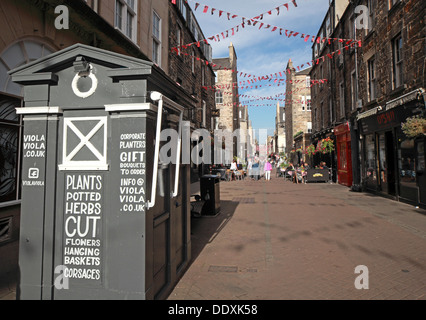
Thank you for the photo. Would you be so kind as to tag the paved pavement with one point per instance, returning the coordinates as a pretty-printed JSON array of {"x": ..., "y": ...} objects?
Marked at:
[{"x": 277, "y": 240}]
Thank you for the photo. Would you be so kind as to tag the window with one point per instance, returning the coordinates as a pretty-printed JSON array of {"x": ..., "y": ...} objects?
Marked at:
[
  {"x": 340, "y": 54},
  {"x": 372, "y": 82},
  {"x": 322, "y": 114},
  {"x": 309, "y": 127},
  {"x": 397, "y": 61},
  {"x": 342, "y": 99},
  {"x": 343, "y": 162},
  {"x": 352, "y": 28},
  {"x": 354, "y": 93},
  {"x": 370, "y": 160},
  {"x": 371, "y": 14},
  {"x": 330, "y": 102},
  {"x": 182, "y": 8},
  {"x": 179, "y": 40},
  {"x": 204, "y": 124},
  {"x": 219, "y": 97},
  {"x": 316, "y": 124},
  {"x": 193, "y": 61},
  {"x": 328, "y": 25},
  {"x": 5, "y": 229},
  {"x": 156, "y": 39},
  {"x": 308, "y": 103},
  {"x": 125, "y": 17},
  {"x": 308, "y": 82},
  {"x": 9, "y": 149},
  {"x": 203, "y": 75},
  {"x": 16, "y": 55}
]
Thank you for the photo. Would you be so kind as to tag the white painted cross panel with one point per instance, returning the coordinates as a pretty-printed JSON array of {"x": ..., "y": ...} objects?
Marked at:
[{"x": 84, "y": 144}]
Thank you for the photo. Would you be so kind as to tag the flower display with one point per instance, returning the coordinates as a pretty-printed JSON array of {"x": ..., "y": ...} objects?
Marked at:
[
  {"x": 413, "y": 126},
  {"x": 325, "y": 146},
  {"x": 310, "y": 150}
]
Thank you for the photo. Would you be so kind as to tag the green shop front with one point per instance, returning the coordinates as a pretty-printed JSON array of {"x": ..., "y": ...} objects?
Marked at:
[{"x": 392, "y": 162}]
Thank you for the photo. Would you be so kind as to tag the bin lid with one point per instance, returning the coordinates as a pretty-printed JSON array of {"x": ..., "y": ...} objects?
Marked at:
[{"x": 210, "y": 176}]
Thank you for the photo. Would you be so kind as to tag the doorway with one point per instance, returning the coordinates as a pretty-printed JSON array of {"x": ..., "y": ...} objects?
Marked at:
[{"x": 386, "y": 150}]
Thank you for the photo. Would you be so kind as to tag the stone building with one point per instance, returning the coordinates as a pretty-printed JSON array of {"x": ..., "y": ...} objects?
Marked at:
[
  {"x": 280, "y": 140},
  {"x": 298, "y": 104},
  {"x": 144, "y": 29},
  {"x": 227, "y": 99},
  {"x": 375, "y": 89},
  {"x": 330, "y": 100}
]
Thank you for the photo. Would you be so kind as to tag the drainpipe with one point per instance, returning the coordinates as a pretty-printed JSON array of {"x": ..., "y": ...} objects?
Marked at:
[{"x": 354, "y": 130}]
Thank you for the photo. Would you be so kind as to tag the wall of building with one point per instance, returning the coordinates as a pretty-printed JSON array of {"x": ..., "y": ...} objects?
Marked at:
[{"x": 296, "y": 114}]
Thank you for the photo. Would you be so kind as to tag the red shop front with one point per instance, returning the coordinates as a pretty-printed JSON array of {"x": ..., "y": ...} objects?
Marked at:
[{"x": 344, "y": 158}]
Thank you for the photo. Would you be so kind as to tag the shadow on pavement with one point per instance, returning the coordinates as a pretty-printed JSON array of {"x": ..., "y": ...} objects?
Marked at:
[{"x": 205, "y": 228}]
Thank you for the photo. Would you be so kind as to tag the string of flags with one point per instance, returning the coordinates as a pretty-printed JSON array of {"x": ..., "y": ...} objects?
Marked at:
[
  {"x": 255, "y": 78},
  {"x": 251, "y": 83},
  {"x": 253, "y": 22}
]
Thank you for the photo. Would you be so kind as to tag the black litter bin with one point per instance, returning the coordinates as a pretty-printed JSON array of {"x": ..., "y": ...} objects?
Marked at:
[{"x": 210, "y": 193}]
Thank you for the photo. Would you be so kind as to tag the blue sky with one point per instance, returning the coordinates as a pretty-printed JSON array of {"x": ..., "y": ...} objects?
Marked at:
[{"x": 261, "y": 51}]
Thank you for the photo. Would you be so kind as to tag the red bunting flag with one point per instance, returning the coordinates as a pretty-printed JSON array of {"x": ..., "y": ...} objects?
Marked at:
[
  {"x": 206, "y": 8},
  {"x": 174, "y": 1},
  {"x": 294, "y": 2},
  {"x": 286, "y": 5},
  {"x": 196, "y": 6}
]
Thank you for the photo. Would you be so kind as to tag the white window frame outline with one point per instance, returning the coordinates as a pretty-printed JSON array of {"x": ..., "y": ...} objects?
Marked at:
[
  {"x": 218, "y": 92},
  {"x": 193, "y": 61},
  {"x": 395, "y": 62},
  {"x": 371, "y": 15},
  {"x": 204, "y": 114},
  {"x": 179, "y": 39},
  {"x": 101, "y": 163},
  {"x": 308, "y": 105},
  {"x": 125, "y": 9},
  {"x": 155, "y": 40},
  {"x": 372, "y": 81}
]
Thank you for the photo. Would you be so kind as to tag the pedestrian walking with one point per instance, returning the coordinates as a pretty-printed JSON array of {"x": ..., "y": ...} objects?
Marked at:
[{"x": 268, "y": 169}]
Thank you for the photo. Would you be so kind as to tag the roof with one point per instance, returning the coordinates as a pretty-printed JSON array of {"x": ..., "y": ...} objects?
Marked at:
[
  {"x": 222, "y": 63},
  {"x": 304, "y": 72}
]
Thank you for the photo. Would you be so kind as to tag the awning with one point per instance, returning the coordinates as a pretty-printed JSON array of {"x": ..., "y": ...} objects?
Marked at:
[{"x": 413, "y": 95}]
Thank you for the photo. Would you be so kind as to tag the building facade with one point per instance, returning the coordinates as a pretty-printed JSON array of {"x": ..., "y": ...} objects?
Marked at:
[
  {"x": 330, "y": 96},
  {"x": 227, "y": 98},
  {"x": 375, "y": 89},
  {"x": 280, "y": 140},
  {"x": 298, "y": 117},
  {"x": 144, "y": 29}
]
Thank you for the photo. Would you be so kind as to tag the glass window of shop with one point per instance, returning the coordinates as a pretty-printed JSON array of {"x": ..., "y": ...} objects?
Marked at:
[
  {"x": 407, "y": 162},
  {"x": 343, "y": 162},
  {"x": 370, "y": 162},
  {"x": 9, "y": 150},
  {"x": 382, "y": 162}
]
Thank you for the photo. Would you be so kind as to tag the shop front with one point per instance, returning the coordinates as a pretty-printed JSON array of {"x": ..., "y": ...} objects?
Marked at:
[
  {"x": 392, "y": 163},
  {"x": 344, "y": 155}
]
